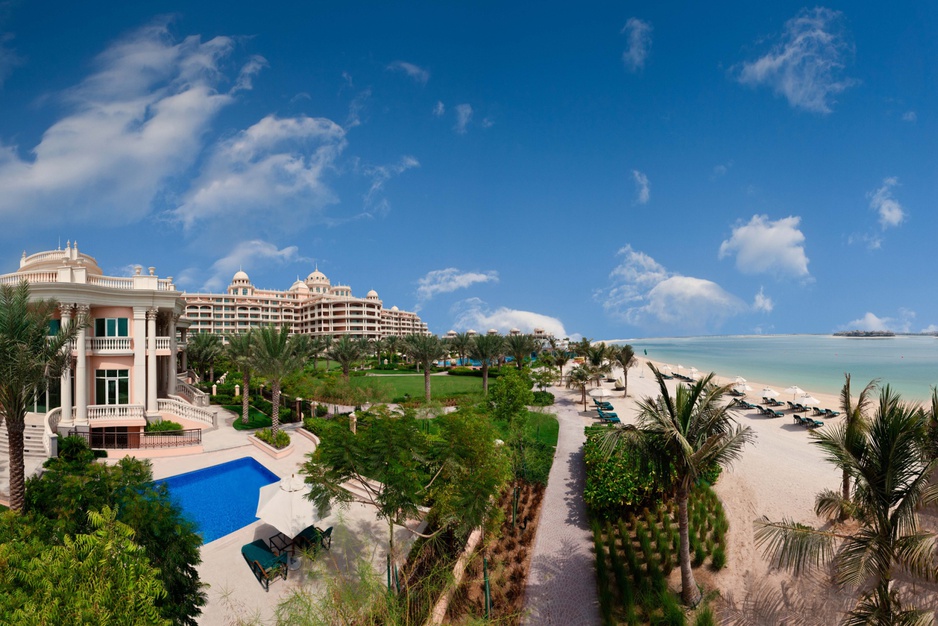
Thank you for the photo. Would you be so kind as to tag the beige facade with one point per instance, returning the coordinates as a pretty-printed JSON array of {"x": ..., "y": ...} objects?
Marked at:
[{"x": 312, "y": 307}]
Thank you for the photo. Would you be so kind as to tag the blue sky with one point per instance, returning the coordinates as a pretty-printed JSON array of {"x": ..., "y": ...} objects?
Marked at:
[{"x": 625, "y": 171}]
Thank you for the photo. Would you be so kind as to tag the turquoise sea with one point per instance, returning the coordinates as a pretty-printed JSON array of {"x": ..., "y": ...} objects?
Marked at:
[{"x": 815, "y": 363}]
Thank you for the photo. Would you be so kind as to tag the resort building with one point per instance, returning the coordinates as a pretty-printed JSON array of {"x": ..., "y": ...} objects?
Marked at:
[
  {"x": 311, "y": 307},
  {"x": 126, "y": 362}
]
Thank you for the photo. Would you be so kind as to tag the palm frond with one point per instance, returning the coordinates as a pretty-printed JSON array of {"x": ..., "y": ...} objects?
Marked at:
[
  {"x": 832, "y": 505},
  {"x": 863, "y": 556},
  {"x": 917, "y": 554},
  {"x": 794, "y": 546}
]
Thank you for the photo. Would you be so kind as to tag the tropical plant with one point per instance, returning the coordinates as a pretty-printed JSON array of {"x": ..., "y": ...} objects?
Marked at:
[
  {"x": 486, "y": 349},
  {"x": 240, "y": 350},
  {"x": 425, "y": 350},
  {"x": 597, "y": 361},
  {"x": 29, "y": 359},
  {"x": 891, "y": 470},
  {"x": 579, "y": 378},
  {"x": 521, "y": 347},
  {"x": 203, "y": 350},
  {"x": 682, "y": 437},
  {"x": 624, "y": 356},
  {"x": 461, "y": 345},
  {"x": 315, "y": 348},
  {"x": 345, "y": 352},
  {"x": 393, "y": 345},
  {"x": 557, "y": 354},
  {"x": 275, "y": 357}
]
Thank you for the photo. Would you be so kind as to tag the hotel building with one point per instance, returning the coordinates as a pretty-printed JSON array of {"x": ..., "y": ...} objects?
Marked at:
[{"x": 312, "y": 307}]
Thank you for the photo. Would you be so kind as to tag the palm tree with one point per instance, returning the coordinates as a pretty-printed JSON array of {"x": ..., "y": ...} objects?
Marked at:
[
  {"x": 597, "y": 361},
  {"x": 240, "y": 350},
  {"x": 345, "y": 352},
  {"x": 682, "y": 436},
  {"x": 275, "y": 357},
  {"x": 327, "y": 341},
  {"x": 315, "y": 346},
  {"x": 520, "y": 347},
  {"x": 424, "y": 349},
  {"x": 486, "y": 349},
  {"x": 891, "y": 471},
  {"x": 579, "y": 378},
  {"x": 29, "y": 359},
  {"x": 461, "y": 344},
  {"x": 850, "y": 435},
  {"x": 393, "y": 345},
  {"x": 558, "y": 355},
  {"x": 203, "y": 350},
  {"x": 625, "y": 357}
]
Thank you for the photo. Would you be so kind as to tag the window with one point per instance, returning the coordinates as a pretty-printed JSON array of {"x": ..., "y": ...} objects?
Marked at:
[
  {"x": 110, "y": 327},
  {"x": 54, "y": 327},
  {"x": 111, "y": 387}
]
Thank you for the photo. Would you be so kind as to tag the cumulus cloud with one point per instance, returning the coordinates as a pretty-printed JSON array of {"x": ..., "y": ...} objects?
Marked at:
[
  {"x": 380, "y": 174},
  {"x": 138, "y": 120},
  {"x": 806, "y": 64},
  {"x": 762, "y": 302},
  {"x": 451, "y": 279},
  {"x": 646, "y": 294},
  {"x": 910, "y": 116},
  {"x": 902, "y": 323},
  {"x": 890, "y": 211},
  {"x": 642, "y": 187},
  {"x": 415, "y": 72},
  {"x": 247, "y": 255},
  {"x": 463, "y": 117},
  {"x": 639, "y": 35},
  {"x": 439, "y": 109},
  {"x": 765, "y": 246},
  {"x": 275, "y": 165},
  {"x": 477, "y": 315}
]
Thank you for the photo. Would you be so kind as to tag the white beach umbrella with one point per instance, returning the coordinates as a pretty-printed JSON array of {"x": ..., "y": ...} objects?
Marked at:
[
  {"x": 666, "y": 369},
  {"x": 284, "y": 506},
  {"x": 694, "y": 373},
  {"x": 679, "y": 367},
  {"x": 740, "y": 380},
  {"x": 742, "y": 387},
  {"x": 768, "y": 392},
  {"x": 809, "y": 400},
  {"x": 600, "y": 392}
]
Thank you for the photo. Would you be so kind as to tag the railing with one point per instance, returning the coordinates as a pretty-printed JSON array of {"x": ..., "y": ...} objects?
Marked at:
[
  {"x": 140, "y": 440},
  {"x": 109, "y": 344},
  {"x": 53, "y": 418},
  {"x": 192, "y": 394},
  {"x": 106, "y": 412},
  {"x": 114, "y": 282},
  {"x": 164, "y": 284},
  {"x": 179, "y": 407},
  {"x": 30, "y": 277},
  {"x": 42, "y": 256},
  {"x": 162, "y": 343}
]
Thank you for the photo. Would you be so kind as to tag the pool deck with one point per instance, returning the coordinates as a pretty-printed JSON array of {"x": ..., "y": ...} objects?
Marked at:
[{"x": 234, "y": 594}]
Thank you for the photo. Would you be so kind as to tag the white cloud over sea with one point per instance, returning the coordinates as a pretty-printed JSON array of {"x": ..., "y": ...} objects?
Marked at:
[
  {"x": 764, "y": 246},
  {"x": 477, "y": 315}
]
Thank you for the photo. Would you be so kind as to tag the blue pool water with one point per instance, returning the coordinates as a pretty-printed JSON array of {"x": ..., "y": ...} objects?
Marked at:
[{"x": 222, "y": 498}]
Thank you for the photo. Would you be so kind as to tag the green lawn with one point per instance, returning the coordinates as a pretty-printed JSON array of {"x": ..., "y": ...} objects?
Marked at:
[
  {"x": 256, "y": 418},
  {"x": 396, "y": 387},
  {"x": 542, "y": 426}
]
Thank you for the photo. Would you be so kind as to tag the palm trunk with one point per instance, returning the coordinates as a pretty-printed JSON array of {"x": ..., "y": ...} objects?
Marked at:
[
  {"x": 17, "y": 470},
  {"x": 275, "y": 413},
  {"x": 345, "y": 372},
  {"x": 426, "y": 382},
  {"x": 845, "y": 493},
  {"x": 485, "y": 377},
  {"x": 246, "y": 379},
  {"x": 690, "y": 594},
  {"x": 625, "y": 383}
]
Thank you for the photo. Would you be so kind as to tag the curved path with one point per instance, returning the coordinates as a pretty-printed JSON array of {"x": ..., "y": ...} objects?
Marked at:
[{"x": 562, "y": 583}]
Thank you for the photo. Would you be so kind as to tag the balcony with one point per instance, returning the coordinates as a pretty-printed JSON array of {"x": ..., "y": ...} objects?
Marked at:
[
  {"x": 109, "y": 345},
  {"x": 113, "y": 412}
]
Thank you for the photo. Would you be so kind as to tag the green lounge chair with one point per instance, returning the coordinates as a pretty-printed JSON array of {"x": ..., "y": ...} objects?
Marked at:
[
  {"x": 311, "y": 539},
  {"x": 609, "y": 417},
  {"x": 264, "y": 563}
]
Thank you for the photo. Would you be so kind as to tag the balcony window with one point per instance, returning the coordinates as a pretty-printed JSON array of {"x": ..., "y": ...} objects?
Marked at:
[
  {"x": 111, "y": 387},
  {"x": 110, "y": 327},
  {"x": 54, "y": 327}
]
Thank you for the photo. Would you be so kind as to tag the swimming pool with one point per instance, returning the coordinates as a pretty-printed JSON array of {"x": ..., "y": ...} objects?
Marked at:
[{"x": 222, "y": 498}]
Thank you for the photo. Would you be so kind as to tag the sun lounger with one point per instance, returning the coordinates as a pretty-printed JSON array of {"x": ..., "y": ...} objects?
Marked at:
[
  {"x": 311, "y": 539},
  {"x": 800, "y": 420},
  {"x": 605, "y": 406},
  {"x": 812, "y": 423},
  {"x": 820, "y": 411},
  {"x": 773, "y": 413},
  {"x": 831, "y": 413},
  {"x": 609, "y": 417},
  {"x": 264, "y": 563}
]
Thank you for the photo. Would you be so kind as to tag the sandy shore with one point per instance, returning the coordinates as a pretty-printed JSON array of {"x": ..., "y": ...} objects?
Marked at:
[{"x": 778, "y": 476}]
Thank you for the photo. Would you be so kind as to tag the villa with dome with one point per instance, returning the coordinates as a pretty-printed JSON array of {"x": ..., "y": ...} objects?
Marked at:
[{"x": 313, "y": 307}]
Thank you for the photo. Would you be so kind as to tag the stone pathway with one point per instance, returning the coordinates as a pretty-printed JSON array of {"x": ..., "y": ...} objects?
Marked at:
[{"x": 562, "y": 582}]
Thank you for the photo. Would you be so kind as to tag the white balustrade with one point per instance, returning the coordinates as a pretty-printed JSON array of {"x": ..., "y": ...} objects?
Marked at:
[
  {"x": 53, "y": 418},
  {"x": 109, "y": 344},
  {"x": 30, "y": 277},
  {"x": 105, "y": 412},
  {"x": 114, "y": 282},
  {"x": 179, "y": 407},
  {"x": 162, "y": 343}
]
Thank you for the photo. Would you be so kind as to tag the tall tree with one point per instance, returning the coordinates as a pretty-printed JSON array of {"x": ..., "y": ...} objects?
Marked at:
[
  {"x": 559, "y": 355},
  {"x": 624, "y": 356},
  {"x": 520, "y": 347},
  {"x": 315, "y": 348},
  {"x": 486, "y": 349},
  {"x": 240, "y": 350},
  {"x": 345, "y": 352},
  {"x": 597, "y": 360},
  {"x": 461, "y": 345},
  {"x": 393, "y": 345},
  {"x": 29, "y": 359},
  {"x": 276, "y": 357},
  {"x": 579, "y": 378},
  {"x": 892, "y": 473},
  {"x": 682, "y": 436},
  {"x": 425, "y": 350},
  {"x": 203, "y": 350}
]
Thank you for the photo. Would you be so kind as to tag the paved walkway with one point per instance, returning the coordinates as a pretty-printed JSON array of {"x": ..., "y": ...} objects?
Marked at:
[{"x": 562, "y": 582}]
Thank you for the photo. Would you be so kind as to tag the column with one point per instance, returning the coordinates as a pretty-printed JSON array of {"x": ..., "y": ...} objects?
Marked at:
[
  {"x": 66, "y": 315},
  {"x": 81, "y": 368},
  {"x": 139, "y": 381},
  {"x": 151, "y": 361},
  {"x": 173, "y": 348},
  {"x": 185, "y": 358}
]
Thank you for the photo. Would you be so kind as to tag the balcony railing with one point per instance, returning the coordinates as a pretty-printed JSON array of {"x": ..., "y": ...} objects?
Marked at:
[
  {"x": 110, "y": 412},
  {"x": 109, "y": 344},
  {"x": 140, "y": 440},
  {"x": 162, "y": 343},
  {"x": 183, "y": 409}
]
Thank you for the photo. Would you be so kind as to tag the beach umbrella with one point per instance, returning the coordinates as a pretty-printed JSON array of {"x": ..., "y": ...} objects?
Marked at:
[
  {"x": 666, "y": 369},
  {"x": 600, "y": 392},
  {"x": 284, "y": 506},
  {"x": 795, "y": 391},
  {"x": 809, "y": 400},
  {"x": 694, "y": 372},
  {"x": 679, "y": 367},
  {"x": 743, "y": 387},
  {"x": 740, "y": 380},
  {"x": 768, "y": 392}
]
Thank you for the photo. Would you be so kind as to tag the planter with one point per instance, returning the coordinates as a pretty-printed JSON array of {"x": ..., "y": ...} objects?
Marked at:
[
  {"x": 312, "y": 437},
  {"x": 272, "y": 451}
]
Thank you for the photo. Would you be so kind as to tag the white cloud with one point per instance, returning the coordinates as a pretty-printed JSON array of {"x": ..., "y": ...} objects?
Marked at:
[
  {"x": 763, "y": 246},
  {"x": 721, "y": 170},
  {"x": 8, "y": 57},
  {"x": 451, "y": 279},
  {"x": 477, "y": 315},
  {"x": 872, "y": 242},
  {"x": 355, "y": 108},
  {"x": 639, "y": 36},
  {"x": 870, "y": 322},
  {"x": 910, "y": 116},
  {"x": 275, "y": 165},
  {"x": 137, "y": 121},
  {"x": 245, "y": 80},
  {"x": 380, "y": 174},
  {"x": 762, "y": 302},
  {"x": 805, "y": 66},
  {"x": 439, "y": 109},
  {"x": 642, "y": 187},
  {"x": 645, "y": 294},
  {"x": 419, "y": 74},
  {"x": 463, "y": 117},
  {"x": 889, "y": 210},
  {"x": 246, "y": 255}
]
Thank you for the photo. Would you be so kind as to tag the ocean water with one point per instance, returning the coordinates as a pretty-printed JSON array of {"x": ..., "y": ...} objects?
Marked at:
[{"x": 816, "y": 363}]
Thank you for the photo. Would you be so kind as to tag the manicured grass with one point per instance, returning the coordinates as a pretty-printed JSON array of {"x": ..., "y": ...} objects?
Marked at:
[
  {"x": 256, "y": 418},
  {"x": 541, "y": 426},
  {"x": 396, "y": 387}
]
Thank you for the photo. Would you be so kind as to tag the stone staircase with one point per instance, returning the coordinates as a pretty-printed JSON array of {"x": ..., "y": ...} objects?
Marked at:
[{"x": 34, "y": 453}]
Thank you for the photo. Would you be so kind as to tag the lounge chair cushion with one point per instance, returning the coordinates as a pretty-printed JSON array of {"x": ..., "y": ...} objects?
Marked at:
[{"x": 264, "y": 563}]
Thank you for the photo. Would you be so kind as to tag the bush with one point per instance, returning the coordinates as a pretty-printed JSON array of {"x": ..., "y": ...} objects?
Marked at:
[
  {"x": 543, "y": 398},
  {"x": 225, "y": 398},
  {"x": 282, "y": 440},
  {"x": 162, "y": 427},
  {"x": 705, "y": 617},
  {"x": 321, "y": 410},
  {"x": 75, "y": 449},
  {"x": 718, "y": 558},
  {"x": 316, "y": 425},
  {"x": 614, "y": 483}
]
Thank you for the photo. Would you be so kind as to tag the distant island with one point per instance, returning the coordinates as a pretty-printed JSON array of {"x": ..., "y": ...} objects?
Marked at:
[{"x": 865, "y": 333}]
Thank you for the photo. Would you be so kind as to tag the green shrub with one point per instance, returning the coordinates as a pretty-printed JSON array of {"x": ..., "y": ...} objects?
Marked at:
[
  {"x": 321, "y": 410},
  {"x": 282, "y": 440},
  {"x": 718, "y": 558},
  {"x": 224, "y": 398},
  {"x": 700, "y": 555},
  {"x": 614, "y": 483},
  {"x": 671, "y": 609},
  {"x": 538, "y": 457},
  {"x": 705, "y": 617},
  {"x": 74, "y": 449},
  {"x": 316, "y": 425},
  {"x": 543, "y": 398},
  {"x": 162, "y": 427}
]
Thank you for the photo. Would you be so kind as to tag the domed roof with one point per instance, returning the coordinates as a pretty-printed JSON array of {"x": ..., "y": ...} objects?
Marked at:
[
  {"x": 515, "y": 331},
  {"x": 394, "y": 308},
  {"x": 493, "y": 331},
  {"x": 372, "y": 294},
  {"x": 240, "y": 275},
  {"x": 317, "y": 277},
  {"x": 299, "y": 285}
]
